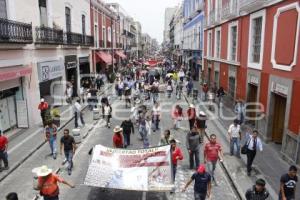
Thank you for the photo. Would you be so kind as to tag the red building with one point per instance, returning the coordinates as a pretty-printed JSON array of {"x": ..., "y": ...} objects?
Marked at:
[
  {"x": 251, "y": 49},
  {"x": 105, "y": 27}
]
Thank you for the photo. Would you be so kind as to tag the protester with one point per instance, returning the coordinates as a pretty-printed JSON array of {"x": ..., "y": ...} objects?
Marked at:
[
  {"x": 67, "y": 143},
  {"x": 51, "y": 133},
  {"x": 48, "y": 183},
  {"x": 193, "y": 140},
  {"x": 200, "y": 123},
  {"x": 3, "y": 152},
  {"x": 155, "y": 90},
  {"x": 179, "y": 89},
  {"x": 128, "y": 129},
  {"x": 176, "y": 155},
  {"x": 127, "y": 94},
  {"x": 78, "y": 114},
  {"x": 212, "y": 152},
  {"x": 156, "y": 116},
  {"x": 165, "y": 139},
  {"x": 240, "y": 110},
  {"x": 181, "y": 74},
  {"x": 253, "y": 144},
  {"x": 235, "y": 136},
  {"x": 43, "y": 107},
  {"x": 191, "y": 113},
  {"x": 107, "y": 113},
  {"x": 118, "y": 140},
  {"x": 189, "y": 87},
  {"x": 69, "y": 93},
  {"x": 288, "y": 184},
  {"x": 205, "y": 91},
  {"x": 258, "y": 191},
  {"x": 202, "y": 186},
  {"x": 12, "y": 196},
  {"x": 177, "y": 116},
  {"x": 169, "y": 89}
]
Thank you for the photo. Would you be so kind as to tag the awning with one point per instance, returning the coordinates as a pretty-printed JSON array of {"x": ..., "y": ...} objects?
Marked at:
[
  {"x": 9, "y": 73},
  {"x": 121, "y": 54},
  {"x": 151, "y": 63},
  {"x": 104, "y": 57}
]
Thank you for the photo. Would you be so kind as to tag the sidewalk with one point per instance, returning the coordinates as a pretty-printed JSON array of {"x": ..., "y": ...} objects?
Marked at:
[
  {"x": 267, "y": 164},
  {"x": 24, "y": 145}
]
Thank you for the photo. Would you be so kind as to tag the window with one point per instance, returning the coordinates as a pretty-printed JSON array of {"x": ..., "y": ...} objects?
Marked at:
[
  {"x": 256, "y": 39},
  {"x": 68, "y": 19},
  {"x": 218, "y": 42},
  {"x": 83, "y": 24},
  {"x": 109, "y": 34},
  {"x": 3, "y": 11},
  {"x": 209, "y": 46},
  {"x": 43, "y": 12},
  {"x": 232, "y": 41},
  {"x": 96, "y": 43},
  {"x": 104, "y": 37}
]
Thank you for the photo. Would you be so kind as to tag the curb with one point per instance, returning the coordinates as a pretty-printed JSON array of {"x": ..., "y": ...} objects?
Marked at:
[{"x": 17, "y": 165}]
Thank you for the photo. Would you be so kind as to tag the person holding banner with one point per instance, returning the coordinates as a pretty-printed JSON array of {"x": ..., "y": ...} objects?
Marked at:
[
  {"x": 176, "y": 155},
  {"x": 128, "y": 128},
  {"x": 202, "y": 187},
  {"x": 118, "y": 140}
]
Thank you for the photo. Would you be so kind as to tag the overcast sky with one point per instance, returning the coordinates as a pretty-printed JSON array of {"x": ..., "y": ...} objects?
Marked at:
[{"x": 150, "y": 13}]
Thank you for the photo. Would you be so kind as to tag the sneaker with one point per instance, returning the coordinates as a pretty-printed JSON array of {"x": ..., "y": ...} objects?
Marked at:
[
  {"x": 6, "y": 168},
  {"x": 54, "y": 156},
  {"x": 64, "y": 162},
  {"x": 69, "y": 172}
]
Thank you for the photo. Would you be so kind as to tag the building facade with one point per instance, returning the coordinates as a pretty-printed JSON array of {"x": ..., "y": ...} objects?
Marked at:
[
  {"x": 193, "y": 35},
  {"x": 48, "y": 48},
  {"x": 255, "y": 45}
]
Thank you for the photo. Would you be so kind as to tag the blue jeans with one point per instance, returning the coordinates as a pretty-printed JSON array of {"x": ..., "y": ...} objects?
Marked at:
[
  {"x": 156, "y": 121},
  {"x": 69, "y": 158},
  {"x": 211, "y": 167},
  {"x": 194, "y": 156},
  {"x": 235, "y": 142},
  {"x": 199, "y": 196},
  {"x": 174, "y": 172},
  {"x": 52, "y": 143},
  {"x": 144, "y": 136}
]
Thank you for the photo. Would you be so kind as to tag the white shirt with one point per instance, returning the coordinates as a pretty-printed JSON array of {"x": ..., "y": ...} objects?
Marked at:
[
  {"x": 259, "y": 145},
  {"x": 181, "y": 73},
  {"x": 106, "y": 110},
  {"x": 156, "y": 110},
  {"x": 234, "y": 131},
  {"x": 156, "y": 84},
  {"x": 77, "y": 107},
  {"x": 69, "y": 91}
]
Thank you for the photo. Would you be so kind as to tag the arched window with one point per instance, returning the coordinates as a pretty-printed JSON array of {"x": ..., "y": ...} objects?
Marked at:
[{"x": 68, "y": 19}]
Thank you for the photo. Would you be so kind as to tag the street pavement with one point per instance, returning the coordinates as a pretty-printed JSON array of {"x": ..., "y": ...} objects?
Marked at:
[{"x": 21, "y": 180}]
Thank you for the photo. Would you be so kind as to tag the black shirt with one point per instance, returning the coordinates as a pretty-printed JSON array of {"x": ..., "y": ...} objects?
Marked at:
[
  {"x": 201, "y": 182},
  {"x": 67, "y": 142},
  {"x": 289, "y": 185}
]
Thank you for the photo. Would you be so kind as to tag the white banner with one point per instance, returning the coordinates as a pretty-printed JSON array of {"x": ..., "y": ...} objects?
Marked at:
[{"x": 140, "y": 170}]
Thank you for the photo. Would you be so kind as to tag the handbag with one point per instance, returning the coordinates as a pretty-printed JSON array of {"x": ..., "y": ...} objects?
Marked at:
[{"x": 244, "y": 149}]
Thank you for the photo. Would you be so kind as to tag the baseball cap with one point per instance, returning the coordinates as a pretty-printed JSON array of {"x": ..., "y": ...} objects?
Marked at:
[{"x": 201, "y": 168}]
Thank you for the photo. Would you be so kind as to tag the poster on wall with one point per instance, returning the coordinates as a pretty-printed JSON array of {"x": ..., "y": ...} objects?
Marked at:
[
  {"x": 139, "y": 170},
  {"x": 22, "y": 117}
]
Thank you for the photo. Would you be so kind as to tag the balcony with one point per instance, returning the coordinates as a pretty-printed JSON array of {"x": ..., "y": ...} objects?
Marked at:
[
  {"x": 78, "y": 39},
  {"x": 15, "y": 32},
  {"x": 45, "y": 35},
  {"x": 247, "y": 6},
  {"x": 229, "y": 10}
]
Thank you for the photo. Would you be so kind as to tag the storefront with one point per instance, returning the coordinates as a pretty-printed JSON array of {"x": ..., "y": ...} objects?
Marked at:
[
  {"x": 51, "y": 81},
  {"x": 84, "y": 68},
  {"x": 13, "y": 104},
  {"x": 71, "y": 71}
]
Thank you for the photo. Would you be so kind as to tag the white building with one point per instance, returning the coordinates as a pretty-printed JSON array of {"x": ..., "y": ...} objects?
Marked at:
[
  {"x": 169, "y": 13},
  {"x": 49, "y": 45}
]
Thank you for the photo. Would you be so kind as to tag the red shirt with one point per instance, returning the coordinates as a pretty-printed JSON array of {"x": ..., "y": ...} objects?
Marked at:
[
  {"x": 3, "y": 142},
  {"x": 118, "y": 140},
  {"x": 176, "y": 153},
  {"x": 49, "y": 186},
  {"x": 191, "y": 112},
  {"x": 212, "y": 151},
  {"x": 43, "y": 106}
]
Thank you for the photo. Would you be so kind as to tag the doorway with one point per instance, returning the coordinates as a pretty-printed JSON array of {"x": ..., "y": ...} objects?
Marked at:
[
  {"x": 217, "y": 79},
  {"x": 209, "y": 77},
  {"x": 252, "y": 100},
  {"x": 278, "y": 118}
]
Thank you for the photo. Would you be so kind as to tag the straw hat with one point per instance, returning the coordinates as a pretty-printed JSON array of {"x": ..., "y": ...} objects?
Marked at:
[
  {"x": 137, "y": 101},
  {"x": 118, "y": 129},
  {"x": 201, "y": 113},
  {"x": 42, "y": 171},
  {"x": 192, "y": 106}
]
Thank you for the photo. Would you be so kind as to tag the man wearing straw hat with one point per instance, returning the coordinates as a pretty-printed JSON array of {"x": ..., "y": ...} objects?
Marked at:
[
  {"x": 48, "y": 183},
  {"x": 118, "y": 139}
]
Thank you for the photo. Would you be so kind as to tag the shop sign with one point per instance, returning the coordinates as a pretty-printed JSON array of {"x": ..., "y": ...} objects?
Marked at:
[
  {"x": 50, "y": 70},
  {"x": 280, "y": 89},
  {"x": 254, "y": 80},
  {"x": 84, "y": 60},
  {"x": 71, "y": 62}
]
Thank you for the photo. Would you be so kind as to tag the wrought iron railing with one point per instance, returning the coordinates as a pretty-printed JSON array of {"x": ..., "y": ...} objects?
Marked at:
[
  {"x": 15, "y": 32},
  {"x": 46, "y": 35},
  {"x": 70, "y": 38}
]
